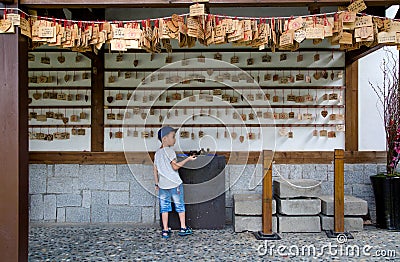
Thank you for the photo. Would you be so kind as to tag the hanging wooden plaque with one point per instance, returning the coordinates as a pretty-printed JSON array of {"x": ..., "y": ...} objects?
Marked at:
[
  {"x": 357, "y": 6},
  {"x": 197, "y": 10}
]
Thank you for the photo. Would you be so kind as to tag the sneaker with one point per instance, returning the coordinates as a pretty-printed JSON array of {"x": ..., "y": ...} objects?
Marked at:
[
  {"x": 166, "y": 233},
  {"x": 185, "y": 231}
]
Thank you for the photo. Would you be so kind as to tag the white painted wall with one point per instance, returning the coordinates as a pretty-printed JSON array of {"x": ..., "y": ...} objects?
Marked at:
[
  {"x": 75, "y": 143},
  {"x": 269, "y": 137},
  {"x": 371, "y": 129}
]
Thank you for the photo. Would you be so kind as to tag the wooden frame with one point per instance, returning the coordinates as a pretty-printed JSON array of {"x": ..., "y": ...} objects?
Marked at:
[
  {"x": 351, "y": 115},
  {"x": 14, "y": 221},
  {"x": 227, "y": 88},
  {"x": 296, "y": 157},
  {"x": 186, "y": 3},
  {"x": 98, "y": 156},
  {"x": 98, "y": 123},
  {"x": 14, "y": 177},
  {"x": 97, "y": 143}
]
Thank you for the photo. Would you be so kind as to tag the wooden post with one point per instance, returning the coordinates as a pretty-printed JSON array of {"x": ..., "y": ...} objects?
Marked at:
[
  {"x": 267, "y": 194},
  {"x": 97, "y": 128},
  {"x": 351, "y": 97},
  {"x": 339, "y": 191},
  {"x": 14, "y": 220},
  {"x": 338, "y": 199},
  {"x": 266, "y": 233}
]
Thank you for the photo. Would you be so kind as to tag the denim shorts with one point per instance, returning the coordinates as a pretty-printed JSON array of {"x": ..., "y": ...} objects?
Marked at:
[{"x": 176, "y": 194}]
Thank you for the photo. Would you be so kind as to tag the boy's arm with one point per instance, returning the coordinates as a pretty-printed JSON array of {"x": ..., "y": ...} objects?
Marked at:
[
  {"x": 176, "y": 165},
  {"x": 155, "y": 172}
]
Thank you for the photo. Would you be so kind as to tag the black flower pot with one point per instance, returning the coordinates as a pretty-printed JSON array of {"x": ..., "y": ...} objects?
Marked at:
[{"x": 387, "y": 201}]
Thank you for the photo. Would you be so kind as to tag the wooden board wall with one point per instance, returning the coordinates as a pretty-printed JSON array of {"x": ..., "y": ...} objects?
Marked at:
[
  {"x": 97, "y": 156},
  {"x": 296, "y": 157},
  {"x": 14, "y": 179}
]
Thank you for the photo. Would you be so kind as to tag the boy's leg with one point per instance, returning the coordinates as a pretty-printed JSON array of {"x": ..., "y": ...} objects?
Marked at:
[
  {"x": 177, "y": 196},
  {"x": 182, "y": 218},
  {"x": 165, "y": 206},
  {"x": 164, "y": 217}
]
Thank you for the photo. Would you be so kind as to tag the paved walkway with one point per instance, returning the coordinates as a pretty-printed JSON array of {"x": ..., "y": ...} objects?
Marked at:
[{"x": 130, "y": 243}]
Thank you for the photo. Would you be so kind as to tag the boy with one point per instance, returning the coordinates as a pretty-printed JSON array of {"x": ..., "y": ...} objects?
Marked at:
[{"x": 167, "y": 180}]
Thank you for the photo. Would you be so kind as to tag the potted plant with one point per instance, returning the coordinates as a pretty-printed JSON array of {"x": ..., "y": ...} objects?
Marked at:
[{"x": 386, "y": 186}]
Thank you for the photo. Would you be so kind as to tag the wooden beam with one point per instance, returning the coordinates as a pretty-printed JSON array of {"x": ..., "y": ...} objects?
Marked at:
[
  {"x": 376, "y": 10},
  {"x": 301, "y": 157},
  {"x": 95, "y": 14},
  {"x": 313, "y": 9},
  {"x": 351, "y": 97},
  {"x": 14, "y": 215},
  {"x": 397, "y": 16},
  {"x": 186, "y": 3},
  {"x": 362, "y": 157},
  {"x": 97, "y": 112},
  {"x": 355, "y": 55},
  {"x": 54, "y": 12},
  {"x": 7, "y": 2},
  {"x": 145, "y": 158},
  {"x": 295, "y": 157},
  {"x": 325, "y": 157}
]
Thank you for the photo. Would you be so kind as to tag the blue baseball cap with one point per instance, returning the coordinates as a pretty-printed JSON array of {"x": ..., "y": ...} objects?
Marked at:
[{"x": 165, "y": 131}]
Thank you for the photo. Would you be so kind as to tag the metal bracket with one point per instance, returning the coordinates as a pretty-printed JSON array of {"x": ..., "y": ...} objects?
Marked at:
[
  {"x": 261, "y": 236},
  {"x": 333, "y": 234}
]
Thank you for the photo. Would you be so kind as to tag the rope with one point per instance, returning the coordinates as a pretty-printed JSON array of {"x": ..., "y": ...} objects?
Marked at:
[{"x": 184, "y": 15}]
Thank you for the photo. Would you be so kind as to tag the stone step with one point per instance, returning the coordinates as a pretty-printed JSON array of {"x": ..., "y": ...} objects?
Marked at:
[
  {"x": 301, "y": 188},
  {"x": 351, "y": 224},
  {"x": 249, "y": 204},
  {"x": 299, "y": 206},
  {"x": 251, "y": 223},
  {"x": 353, "y": 206},
  {"x": 299, "y": 224}
]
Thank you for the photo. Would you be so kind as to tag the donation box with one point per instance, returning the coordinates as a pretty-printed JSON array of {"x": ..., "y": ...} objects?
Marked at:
[{"x": 204, "y": 192}]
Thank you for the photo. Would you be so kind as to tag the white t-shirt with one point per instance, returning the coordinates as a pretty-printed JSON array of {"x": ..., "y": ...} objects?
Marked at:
[{"x": 168, "y": 177}]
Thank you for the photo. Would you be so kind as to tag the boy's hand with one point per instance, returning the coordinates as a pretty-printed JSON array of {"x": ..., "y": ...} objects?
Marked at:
[
  {"x": 176, "y": 165},
  {"x": 192, "y": 157}
]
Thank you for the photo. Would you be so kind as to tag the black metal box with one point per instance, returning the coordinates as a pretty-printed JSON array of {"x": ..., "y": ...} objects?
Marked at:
[{"x": 204, "y": 192}]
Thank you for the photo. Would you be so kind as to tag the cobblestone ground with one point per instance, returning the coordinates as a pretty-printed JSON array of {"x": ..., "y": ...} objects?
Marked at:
[{"x": 130, "y": 243}]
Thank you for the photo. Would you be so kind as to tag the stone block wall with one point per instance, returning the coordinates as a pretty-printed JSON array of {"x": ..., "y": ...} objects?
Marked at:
[
  {"x": 92, "y": 193},
  {"x": 357, "y": 181},
  {"x": 69, "y": 193}
]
